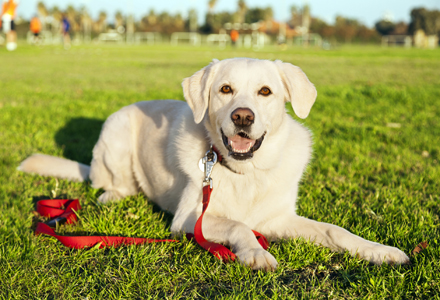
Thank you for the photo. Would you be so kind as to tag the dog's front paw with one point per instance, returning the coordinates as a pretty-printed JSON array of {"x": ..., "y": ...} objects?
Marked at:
[
  {"x": 258, "y": 259},
  {"x": 379, "y": 254},
  {"x": 107, "y": 197}
]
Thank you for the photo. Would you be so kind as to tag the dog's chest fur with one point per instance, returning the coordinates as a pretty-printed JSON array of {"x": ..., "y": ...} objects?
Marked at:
[{"x": 260, "y": 194}]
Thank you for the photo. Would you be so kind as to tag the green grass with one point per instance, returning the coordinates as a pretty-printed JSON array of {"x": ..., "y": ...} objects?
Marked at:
[{"x": 375, "y": 178}]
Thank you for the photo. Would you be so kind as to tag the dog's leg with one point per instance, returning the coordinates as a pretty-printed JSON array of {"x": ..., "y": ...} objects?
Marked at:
[
  {"x": 241, "y": 239},
  {"x": 339, "y": 239},
  {"x": 113, "y": 174},
  {"x": 111, "y": 167},
  {"x": 235, "y": 234},
  {"x": 224, "y": 231}
]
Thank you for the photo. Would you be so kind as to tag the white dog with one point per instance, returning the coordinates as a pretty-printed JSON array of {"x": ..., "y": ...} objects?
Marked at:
[{"x": 237, "y": 105}]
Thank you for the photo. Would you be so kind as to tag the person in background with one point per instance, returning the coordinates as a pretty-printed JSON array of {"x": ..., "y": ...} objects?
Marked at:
[
  {"x": 9, "y": 8},
  {"x": 35, "y": 28},
  {"x": 65, "y": 28},
  {"x": 234, "y": 37}
]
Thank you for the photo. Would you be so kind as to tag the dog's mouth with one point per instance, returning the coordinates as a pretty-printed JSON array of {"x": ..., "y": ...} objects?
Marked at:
[{"x": 241, "y": 146}]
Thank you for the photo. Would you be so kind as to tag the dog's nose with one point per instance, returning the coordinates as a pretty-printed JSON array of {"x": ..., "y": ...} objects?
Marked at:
[{"x": 242, "y": 117}]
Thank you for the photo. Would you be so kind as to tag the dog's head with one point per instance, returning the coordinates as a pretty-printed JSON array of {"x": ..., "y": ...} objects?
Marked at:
[{"x": 242, "y": 101}]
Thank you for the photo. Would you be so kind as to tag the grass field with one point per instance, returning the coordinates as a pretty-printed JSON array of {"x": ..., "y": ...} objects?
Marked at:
[{"x": 375, "y": 172}]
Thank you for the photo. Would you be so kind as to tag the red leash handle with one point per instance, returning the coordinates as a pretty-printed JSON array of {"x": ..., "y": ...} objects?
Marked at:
[
  {"x": 59, "y": 210},
  {"x": 64, "y": 211}
]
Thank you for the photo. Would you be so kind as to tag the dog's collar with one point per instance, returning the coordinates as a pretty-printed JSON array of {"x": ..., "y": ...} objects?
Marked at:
[
  {"x": 219, "y": 156},
  {"x": 222, "y": 161}
]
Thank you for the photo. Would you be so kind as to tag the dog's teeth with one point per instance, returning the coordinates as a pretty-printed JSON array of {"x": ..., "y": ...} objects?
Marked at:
[{"x": 242, "y": 151}]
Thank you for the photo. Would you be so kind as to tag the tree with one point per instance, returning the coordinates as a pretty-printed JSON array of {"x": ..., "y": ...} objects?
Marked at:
[
  {"x": 101, "y": 24},
  {"x": 367, "y": 35},
  {"x": 102, "y": 16},
  {"x": 295, "y": 16},
  {"x": 57, "y": 16},
  {"x": 306, "y": 17},
  {"x": 149, "y": 22},
  {"x": 192, "y": 20},
  {"x": 428, "y": 21},
  {"x": 268, "y": 14},
  {"x": 86, "y": 24},
  {"x": 211, "y": 6},
  {"x": 241, "y": 13},
  {"x": 321, "y": 27},
  {"x": 43, "y": 13},
  {"x": 214, "y": 22},
  {"x": 152, "y": 18},
  {"x": 163, "y": 22},
  {"x": 42, "y": 10},
  {"x": 385, "y": 27},
  {"x": 74, "y": 18},
  {"x": 401, "y": 28},
  {"x": 178, "y": 23},
  {"x": 119, "y": 19},
  {"x": 257, "y": 14},
  {"x": 345, "y": 28},
  {"x": 208, "y": 27}
]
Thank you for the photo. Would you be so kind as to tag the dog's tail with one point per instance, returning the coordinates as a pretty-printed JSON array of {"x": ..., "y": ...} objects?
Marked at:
[{"x": 54, "y": 166}]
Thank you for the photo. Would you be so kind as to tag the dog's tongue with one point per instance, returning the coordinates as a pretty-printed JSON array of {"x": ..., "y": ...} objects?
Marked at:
[{"x": 240, "y": 144}]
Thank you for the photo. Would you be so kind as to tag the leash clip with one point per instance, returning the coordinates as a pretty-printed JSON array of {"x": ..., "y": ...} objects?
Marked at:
[
  {"x": 209, "y": 160},
  {"x": 58, "y": 220}
]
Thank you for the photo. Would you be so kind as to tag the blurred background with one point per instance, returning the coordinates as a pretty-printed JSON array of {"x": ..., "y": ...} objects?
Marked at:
[{"x": 244, "y": 24}]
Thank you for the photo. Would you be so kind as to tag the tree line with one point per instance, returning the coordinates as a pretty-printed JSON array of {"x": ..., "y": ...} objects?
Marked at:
[
  {"x": 421, "y": 19},
  {"x": 343, "y": 29}
]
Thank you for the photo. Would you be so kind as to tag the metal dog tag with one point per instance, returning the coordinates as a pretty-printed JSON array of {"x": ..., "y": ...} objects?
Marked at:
[{"x": 201, "y": 165}]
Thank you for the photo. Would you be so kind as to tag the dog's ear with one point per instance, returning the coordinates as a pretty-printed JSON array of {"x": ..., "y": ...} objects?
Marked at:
[
  {"x": 196, "y": 90},
  {"x": 299, "y": 90}
]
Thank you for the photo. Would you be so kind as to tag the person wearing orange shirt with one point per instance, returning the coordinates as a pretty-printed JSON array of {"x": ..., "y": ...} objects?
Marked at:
[
  {"x": 234, "y": 36},
  {"x": 35, "y": 29},
  {"x": 9, "y": 8}
]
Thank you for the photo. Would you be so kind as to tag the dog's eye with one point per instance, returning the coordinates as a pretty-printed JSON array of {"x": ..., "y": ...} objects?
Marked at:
[
  {"x": 265, "y": 91},
  {"x": 226, "y": 89}
]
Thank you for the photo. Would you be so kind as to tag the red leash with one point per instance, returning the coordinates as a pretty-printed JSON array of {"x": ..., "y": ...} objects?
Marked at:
[
  {"x": 63, "y": 211},
  {"x": 218, "y": 250}
]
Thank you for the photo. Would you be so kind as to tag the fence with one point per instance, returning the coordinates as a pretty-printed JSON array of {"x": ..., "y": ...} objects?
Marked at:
[
  {"x": 192, "y": 38},
  {"x": 150, "y": 37},
  {"x": 255, "y": 40},
  {"x": 397, "y": 40}
]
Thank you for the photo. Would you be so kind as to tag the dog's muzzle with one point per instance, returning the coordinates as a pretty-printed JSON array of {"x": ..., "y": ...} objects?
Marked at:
[{"x": 241, "y": 146}]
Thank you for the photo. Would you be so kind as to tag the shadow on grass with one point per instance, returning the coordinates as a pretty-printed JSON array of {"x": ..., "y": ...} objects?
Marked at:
[
  {"x": 166, "y": 216},
  {"x": 78, "y": 137}
]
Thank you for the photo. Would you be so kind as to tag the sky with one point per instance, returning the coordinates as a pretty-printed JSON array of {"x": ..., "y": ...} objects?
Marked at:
[{"x": 366, "y": 11}]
